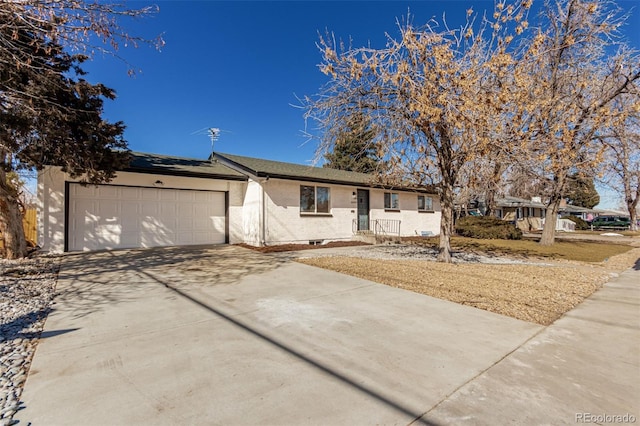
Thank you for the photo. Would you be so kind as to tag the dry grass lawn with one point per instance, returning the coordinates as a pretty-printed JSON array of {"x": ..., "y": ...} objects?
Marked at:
[{"x": 535, "y": 293}]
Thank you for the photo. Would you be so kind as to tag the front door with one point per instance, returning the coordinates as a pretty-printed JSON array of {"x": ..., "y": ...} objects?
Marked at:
[{"x": 363, "y": 210}]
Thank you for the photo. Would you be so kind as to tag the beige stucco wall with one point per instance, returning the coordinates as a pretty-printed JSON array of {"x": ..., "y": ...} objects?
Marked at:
[
  {"x": 413, "y": 222},
  {"x": 252, "y": 214},
  {"x": 285, "y": 224},
  {"x": 51, "y": 213}
]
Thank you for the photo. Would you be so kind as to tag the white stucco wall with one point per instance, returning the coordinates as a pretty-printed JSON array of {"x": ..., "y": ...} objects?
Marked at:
[
  {"x": 413, "y": 222},
  {"x": 51, "y": 204},
  {"x": 252, "y": 214},
  {"x": 285, "y": 224},
  {"x": 51, "y": 209}
]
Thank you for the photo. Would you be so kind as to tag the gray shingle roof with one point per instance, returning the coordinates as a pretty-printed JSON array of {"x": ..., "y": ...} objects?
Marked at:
[
  {"x": 179, "y": 166},
  {"x": 510, "y": 201},
  {"x": 236, "y": 167},
  {"x": 277, "y": 169}
]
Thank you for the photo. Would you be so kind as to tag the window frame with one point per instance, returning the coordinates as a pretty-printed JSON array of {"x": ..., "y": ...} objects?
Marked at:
[
  {"x": 424, "y": 209},
  {"x": 316, "y": 202},
  {"x": 390, "y": 196}
]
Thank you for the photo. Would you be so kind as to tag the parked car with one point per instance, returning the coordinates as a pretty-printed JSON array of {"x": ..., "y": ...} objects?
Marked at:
[{"x": 611, "y": 222}]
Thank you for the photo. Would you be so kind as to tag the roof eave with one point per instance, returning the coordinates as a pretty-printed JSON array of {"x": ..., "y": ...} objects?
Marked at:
[
  {"x": 343, "y": 182},
  {"x": 265, "y": 175},
  {"x": 184, "y": 173}
]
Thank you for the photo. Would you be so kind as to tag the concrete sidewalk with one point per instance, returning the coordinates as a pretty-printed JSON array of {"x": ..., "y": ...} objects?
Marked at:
[
  {"x": 584, "y": 368},
  {"x": 223, "y": 335}
]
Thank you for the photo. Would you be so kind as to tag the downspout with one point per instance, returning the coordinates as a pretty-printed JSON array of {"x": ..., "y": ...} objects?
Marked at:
[{"x": 263, "y": 218}]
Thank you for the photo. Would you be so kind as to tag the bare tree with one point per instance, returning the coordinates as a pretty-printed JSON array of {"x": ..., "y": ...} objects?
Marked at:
[
  {"x": 567, "y": 83},
  {"x": 430, "y": 95},
  {"x": 524, "y": 181},
  {"x": 621, "y": 166},
  {"x": 78, "y": 25}
]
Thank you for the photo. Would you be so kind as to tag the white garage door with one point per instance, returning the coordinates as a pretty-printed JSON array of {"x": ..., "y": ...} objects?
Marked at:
[{"x": 110, "y": 217}]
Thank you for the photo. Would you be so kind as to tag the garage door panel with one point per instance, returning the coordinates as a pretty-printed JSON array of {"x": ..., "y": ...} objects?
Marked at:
[
  {"x": 109, "y": 217},
  {"x": 131, "y": 209},
  {"x": 108, "y": 192},
  {"x": 185, "y": 224},
  {"x": 130, "y": 239},
  {"x": 203, "y": 223},
  {"x": 149, "y": 193},
  {"x": 108, "y": 209},
  {"x": 128, "y": 193},
  {"x": 188, "y": 196},
  {"x": 168, "y": 195},
  {"x": 187, "y": 210},
  {"x": 148, "y": 209},
  {"x": 168, "y": 210},
  {"x": 218, "y": 224},
  {"x": 157, "y": 238}
]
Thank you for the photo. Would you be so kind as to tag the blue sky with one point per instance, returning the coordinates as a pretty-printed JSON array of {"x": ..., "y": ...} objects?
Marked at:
[{"x": 239, "y": 66}]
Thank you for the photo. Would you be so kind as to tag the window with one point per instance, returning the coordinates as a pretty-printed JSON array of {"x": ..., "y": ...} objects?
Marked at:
[
  {"x": 391, "y": 201},
  {"x": 425, "y": 204},
  {"x": 314, "y": 199}
]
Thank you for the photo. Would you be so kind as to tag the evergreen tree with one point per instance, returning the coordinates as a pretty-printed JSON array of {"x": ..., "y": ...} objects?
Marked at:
[
  {"x": 581, "y": 191},
  {"x": 49, "y": 115},
  {"x": 354, "y": 150}
]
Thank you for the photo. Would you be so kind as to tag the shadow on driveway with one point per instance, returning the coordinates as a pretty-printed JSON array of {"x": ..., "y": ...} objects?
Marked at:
[
  {"x": 226, "y": 335},
  {"x": 94, "y": 280},
  {"x": 396, "y": 405}
]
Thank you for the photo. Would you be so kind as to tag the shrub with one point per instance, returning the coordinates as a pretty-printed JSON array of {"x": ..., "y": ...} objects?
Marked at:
[
  {"x": 581, "y": 225},
  {"x": 487, "y": 227}
]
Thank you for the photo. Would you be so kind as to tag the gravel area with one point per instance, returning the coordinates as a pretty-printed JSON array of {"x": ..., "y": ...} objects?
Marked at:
[
  {"x": 27, "y": 288},
  {"x": 412, "y": 252}
]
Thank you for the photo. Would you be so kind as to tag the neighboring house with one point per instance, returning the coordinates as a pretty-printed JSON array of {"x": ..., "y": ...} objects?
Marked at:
[
  {"x": 162, "y": 201},
  {"x": 528, "y": 215},
  {"x": 526, "y": 212},
  {"x": 582, "y": 212}
]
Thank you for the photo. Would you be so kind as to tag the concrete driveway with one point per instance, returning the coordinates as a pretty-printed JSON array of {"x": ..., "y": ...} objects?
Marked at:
[{"x": 224, "y": 335}]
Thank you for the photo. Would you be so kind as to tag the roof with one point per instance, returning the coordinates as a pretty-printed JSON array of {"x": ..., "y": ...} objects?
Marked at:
[
  {"x": 280, "y": 170},
  {"x": 510, "y": 201},
  {"x": 277, "y": 169},
  {"x": 180, "y": 166},
  {"x": 576, "y": 209}
]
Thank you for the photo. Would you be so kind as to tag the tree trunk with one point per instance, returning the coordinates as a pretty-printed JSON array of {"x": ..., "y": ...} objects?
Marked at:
[
  {"x": 446, "y": 223},
  {"x": 11, "y": 221},
  {"x": 633, "y": 216},
  {"x": 551, "y": 218},
  {"x": 490, "y": 193},
  {"x": 489, "y": 202}
]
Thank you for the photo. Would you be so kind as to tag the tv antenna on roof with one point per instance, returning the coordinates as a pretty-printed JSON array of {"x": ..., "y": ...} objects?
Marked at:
[
  {"x": 212, "y": 132},
  {"x": 214, "y": 135}
]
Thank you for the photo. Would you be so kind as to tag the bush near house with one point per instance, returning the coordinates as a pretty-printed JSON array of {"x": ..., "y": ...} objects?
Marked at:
[
  {"x": 581, "y": 224},
  {"x": 488, "y": 228}
]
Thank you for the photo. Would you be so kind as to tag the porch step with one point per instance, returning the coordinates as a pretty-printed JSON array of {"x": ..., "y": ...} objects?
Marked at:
[{"x": 364, "y": 236}]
